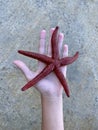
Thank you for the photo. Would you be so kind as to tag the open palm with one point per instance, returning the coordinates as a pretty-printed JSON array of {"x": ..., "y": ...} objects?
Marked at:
[{"x": 50, "y": 85}]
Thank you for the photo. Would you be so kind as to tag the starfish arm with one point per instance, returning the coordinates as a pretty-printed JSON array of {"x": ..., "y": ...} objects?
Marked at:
[
  {"x": 54, "y": 44},
  {"x": 40, "y": 76},
  {"x": 62, "y": 81},
  {"x": 37, "y": 56},
  {"x": 69, "y": 60}
]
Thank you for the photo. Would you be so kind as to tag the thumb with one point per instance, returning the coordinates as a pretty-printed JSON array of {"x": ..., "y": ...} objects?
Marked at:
[{"x": 23, "y": 67}]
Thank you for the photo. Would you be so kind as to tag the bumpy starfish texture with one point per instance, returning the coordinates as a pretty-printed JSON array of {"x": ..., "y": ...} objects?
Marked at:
[{"x": 53, "y": 63}]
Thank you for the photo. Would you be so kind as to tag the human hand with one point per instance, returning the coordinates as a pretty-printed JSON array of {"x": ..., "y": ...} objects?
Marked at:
[{"x": 50, "y": 85}]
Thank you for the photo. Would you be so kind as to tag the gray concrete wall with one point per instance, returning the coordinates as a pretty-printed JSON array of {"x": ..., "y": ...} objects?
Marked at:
[{"x": 20, "y": 24}]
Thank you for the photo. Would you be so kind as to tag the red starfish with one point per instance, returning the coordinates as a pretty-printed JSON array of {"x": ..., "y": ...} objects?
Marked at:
[{"x": 52, "y": 63}]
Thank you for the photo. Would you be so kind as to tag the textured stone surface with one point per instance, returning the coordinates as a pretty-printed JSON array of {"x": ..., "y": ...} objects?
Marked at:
[{"x": 20, "y": 24}]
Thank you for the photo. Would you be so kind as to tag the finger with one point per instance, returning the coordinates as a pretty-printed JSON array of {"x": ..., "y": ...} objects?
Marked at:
[
  {"x": 65, "y": 51},
  {"x": 49, "y": 46},
  {"x": 42, "y": 41},
  {"x": 26, "y": 71},
  {"x": 65, "y": 54},
  {"x": 42, "y": 47},
  {"x": 60, "y": 41}
]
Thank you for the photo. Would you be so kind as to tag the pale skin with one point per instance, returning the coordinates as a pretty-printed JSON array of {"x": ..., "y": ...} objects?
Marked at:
[{"x": 50, "y": 88}]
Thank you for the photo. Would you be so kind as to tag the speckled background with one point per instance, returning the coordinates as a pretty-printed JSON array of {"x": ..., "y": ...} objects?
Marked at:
[{"x": 20, "y": 24}]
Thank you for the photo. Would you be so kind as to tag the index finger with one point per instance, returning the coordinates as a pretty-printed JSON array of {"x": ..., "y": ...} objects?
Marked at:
[{"x": 42, "y": 42}]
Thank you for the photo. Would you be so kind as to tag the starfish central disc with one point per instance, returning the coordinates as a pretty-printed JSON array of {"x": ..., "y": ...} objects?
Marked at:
[
  {"x": 52, "y": 63},
  {"x": 56, "y": 63}
]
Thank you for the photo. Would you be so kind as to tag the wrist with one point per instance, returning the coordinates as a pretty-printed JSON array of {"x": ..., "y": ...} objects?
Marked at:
[{"x": 51, "y": 98}]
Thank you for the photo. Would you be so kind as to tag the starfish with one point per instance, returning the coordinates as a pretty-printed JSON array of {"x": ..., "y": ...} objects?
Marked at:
[{"x": 53, "y": 63}]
